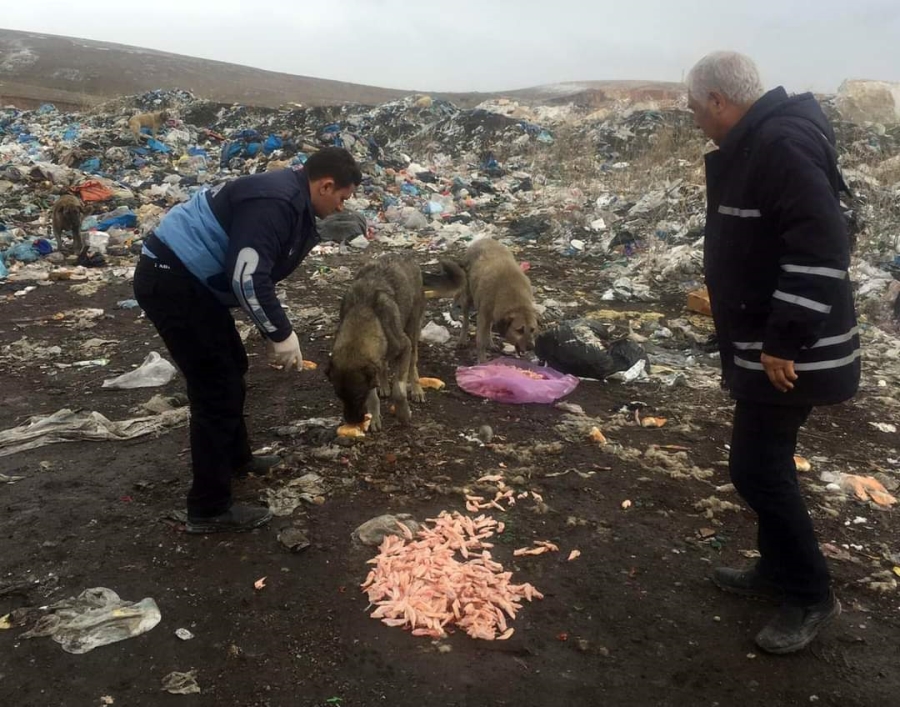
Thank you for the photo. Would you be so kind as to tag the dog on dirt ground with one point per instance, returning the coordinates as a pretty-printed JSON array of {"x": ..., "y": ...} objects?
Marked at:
[
  {"x": 376, "y": 348},
  {"x": 66, "y": 215},
  {"x": 500, "y": 293},
  {"x": 153, "y": 121}
]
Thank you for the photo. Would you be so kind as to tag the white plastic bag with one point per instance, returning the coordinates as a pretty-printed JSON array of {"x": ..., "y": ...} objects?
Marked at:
[{"x": 153, "y": 372}]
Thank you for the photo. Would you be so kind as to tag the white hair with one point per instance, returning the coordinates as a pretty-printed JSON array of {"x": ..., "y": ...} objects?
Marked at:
[{"x": 733, "y": 75}]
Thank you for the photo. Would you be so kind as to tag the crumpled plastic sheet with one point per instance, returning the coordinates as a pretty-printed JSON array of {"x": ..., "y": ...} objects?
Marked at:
[
  {"x": 153, "y": 372},
  {"x": 96, "y": 617},
  {"x": 509, "y": 380},
  {"x": 83, "y": 425}
]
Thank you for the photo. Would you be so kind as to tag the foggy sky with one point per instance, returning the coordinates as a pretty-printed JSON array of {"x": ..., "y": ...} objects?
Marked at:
[{"x": 493, "y": 45}]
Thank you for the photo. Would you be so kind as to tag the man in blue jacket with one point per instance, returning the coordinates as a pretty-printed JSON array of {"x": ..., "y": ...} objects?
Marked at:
[
  {"x": 776, "y": 257},
  {"x": 225, "y": 248}
]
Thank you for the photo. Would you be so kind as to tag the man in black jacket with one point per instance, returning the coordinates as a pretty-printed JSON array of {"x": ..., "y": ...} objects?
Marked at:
[
  {"x": 227, "y": 247},
  {"x": 776, "y": 259}
]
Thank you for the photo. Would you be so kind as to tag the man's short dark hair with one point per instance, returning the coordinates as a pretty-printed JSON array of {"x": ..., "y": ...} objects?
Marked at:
[{"x": 336, "y": 163}]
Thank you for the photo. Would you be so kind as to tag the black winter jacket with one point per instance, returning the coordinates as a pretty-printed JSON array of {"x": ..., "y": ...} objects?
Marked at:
[{"x": 777, "y": 252}]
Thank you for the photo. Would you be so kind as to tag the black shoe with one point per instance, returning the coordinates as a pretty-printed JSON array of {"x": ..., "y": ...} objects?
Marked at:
[
  {"x": 794, "y": 627},
  {"x": 747, "y": 583},
  {"x": 236, "y": 519},
  {"x": 257, "y": 465}
]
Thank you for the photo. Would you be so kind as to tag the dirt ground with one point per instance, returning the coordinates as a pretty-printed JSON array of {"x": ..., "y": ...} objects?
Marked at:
[{"x": 633, "y": 621}]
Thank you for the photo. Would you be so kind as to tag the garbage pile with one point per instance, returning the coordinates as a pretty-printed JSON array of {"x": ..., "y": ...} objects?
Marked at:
[{"x": 620, "y": 188}]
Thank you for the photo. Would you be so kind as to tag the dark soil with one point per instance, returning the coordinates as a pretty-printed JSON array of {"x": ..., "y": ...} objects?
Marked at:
[{"x": 633, "y": 621}]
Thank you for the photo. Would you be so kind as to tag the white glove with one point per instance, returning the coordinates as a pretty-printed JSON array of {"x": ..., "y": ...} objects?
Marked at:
[{"x": 286, "y": 354}]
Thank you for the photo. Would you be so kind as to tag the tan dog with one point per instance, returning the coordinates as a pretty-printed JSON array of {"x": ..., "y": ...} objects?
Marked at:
[
  {"x": 154, "y": 121},
  {"x": 378, "y": 339},
  {"x": 66, "y": 215},
  {"x": 501, "y": 294}
]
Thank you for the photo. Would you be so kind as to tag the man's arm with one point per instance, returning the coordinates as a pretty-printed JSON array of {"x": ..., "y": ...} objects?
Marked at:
[
  {"x": 259, "y": 230},
  {"x": 800, "y": 200}
]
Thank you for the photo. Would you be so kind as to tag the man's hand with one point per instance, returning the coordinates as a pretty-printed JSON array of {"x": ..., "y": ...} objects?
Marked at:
[
  {"x": 286, "y": 354},
  {"x": 780, "y": 372}
]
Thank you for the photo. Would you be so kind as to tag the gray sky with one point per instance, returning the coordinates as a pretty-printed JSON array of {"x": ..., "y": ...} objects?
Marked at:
[{"x": 491, "y": 45}]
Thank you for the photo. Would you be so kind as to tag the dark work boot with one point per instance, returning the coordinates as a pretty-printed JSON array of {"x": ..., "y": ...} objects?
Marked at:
[
  {"x": 747, "y": 583},
  {"x": 257, "y": 465},
  {"x": 794, "y": 627},
  {"x": 237, "y": 519}
]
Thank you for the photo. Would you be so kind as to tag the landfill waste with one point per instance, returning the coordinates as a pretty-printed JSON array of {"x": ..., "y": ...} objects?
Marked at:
[
  {"x": 96, "y": 617},
  {"x": 373, "y": 532},
  {"x": 153, "y": 372},
  {"x": 84, "y": 425},
  {"x": 294, "y": 539},
  {"x": 284, "y": 500},
  {"x": 510, "y": 380},
  {"x": 582, "y": 348},
  {"x": 176, "y": 683},
  {"x": 183, "y": 634},
  {"x": 342, "y": 226},
  {"x": 435, "y": 334}
]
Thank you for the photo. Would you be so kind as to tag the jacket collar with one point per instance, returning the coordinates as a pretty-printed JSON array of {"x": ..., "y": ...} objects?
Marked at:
[{"x": 757, "y": 113}]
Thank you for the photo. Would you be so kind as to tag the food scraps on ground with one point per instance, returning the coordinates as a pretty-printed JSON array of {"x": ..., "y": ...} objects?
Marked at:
[
  {"x": 597, "y": 436},
  {"x": 260, "y": 583},
  {"x": 420, "y": 583},
  {"x": 802, "y": 464},
  {"x": 432, "y": 383},
  {"x": 540, "y": 547},
  {"x": 626, "y": 504},
  {"x": 357, "y": 430},
  {"x": 867, "y": 488},
  {"x": 574, "y": 555},
  {"x": 653, "y": 421}
]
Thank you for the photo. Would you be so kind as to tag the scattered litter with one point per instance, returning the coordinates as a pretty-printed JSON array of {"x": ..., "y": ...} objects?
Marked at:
[
  {"x": 583, "y": 348},
  {"x": 574, "y": 555},
  {"x": 570, "y": 408},
  {"x": 540, "y": 547},
  {"x": 508, "y": 380},
  {"x": 284, "y": 500},
  {"x": 96, "y": 617},
  {"x": 181, "y": 683},
  {"x": 884, "y": 427},
  {"x": 260, "y": 583},
  {"x": 294, "y": 539},
  {"x": 435, "y": 334},
  {"x": 373, "y": 532},
  {"x": 698, "y": 301},
  {"x": 655, "y": 422},
  {"x": 184, "y": 634},
  {"x": 153, "y": 372},
  {"x": 867, "y": 488},
  {"x": 626, "y": 504},
  {"x": 68, "y": 426}
]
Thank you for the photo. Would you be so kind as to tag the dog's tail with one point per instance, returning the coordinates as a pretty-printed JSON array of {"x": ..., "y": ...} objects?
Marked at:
[{"x": 448, "y": 283}]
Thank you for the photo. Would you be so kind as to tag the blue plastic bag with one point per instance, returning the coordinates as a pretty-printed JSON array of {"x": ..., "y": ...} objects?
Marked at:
[
  {"x": 410, "y": 189},
  {"x": 273, "y": 142},
  {"x": 24, "y": 252},
  {"x": 91, "y": 166},
  {"x": 128, "y": 220},
  {"x": 253, "y": 148},
  {"x": 3, "y": 271},
  {"x": 157, "y": 146}
]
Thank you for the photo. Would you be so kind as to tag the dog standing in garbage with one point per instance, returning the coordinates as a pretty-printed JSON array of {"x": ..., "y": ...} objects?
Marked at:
[
  {"x": 153, "y": 121},
  {"x": 66, "y": 215},
  {"x": 499, "y": 291},
  {"x": 376, "y": 348}
]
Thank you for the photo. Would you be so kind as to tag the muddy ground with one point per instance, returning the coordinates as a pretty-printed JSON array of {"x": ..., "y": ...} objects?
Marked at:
[{"x": 633, "y": 621}]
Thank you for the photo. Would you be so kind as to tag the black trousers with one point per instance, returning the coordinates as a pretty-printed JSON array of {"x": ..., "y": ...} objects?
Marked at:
[
  {"x": 201, "y": 337},
  {"x": 764, "y": 438}
]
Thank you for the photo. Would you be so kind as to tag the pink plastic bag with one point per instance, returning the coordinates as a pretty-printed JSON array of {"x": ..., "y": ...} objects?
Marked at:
[{"x": 509, "y": 380}]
